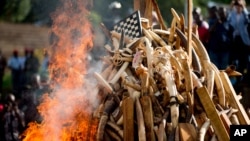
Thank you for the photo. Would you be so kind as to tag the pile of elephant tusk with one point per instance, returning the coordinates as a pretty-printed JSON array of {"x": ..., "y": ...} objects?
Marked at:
[{"x": 151, "y": 89}]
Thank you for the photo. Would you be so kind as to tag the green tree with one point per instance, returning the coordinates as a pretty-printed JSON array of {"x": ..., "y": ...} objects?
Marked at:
[{"x": 15, "y": 10}]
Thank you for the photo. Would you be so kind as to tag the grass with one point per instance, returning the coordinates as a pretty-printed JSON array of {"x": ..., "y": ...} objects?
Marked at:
[{"x": 7, "y": 80}]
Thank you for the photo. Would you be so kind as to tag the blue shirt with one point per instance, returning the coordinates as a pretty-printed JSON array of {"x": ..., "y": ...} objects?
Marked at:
[{"x": 239, "y": 22}]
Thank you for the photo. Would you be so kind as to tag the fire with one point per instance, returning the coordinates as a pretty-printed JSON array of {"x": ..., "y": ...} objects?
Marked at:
[{"x": 67, "y": 111}]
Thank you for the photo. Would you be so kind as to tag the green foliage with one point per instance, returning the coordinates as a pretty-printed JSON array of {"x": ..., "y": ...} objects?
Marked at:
[
  {"x": 7, "y": 81},
  {"x": 95, "y": 18},
  {"x": 40, "y": 10},
  {"x": 16, "y": 10}
]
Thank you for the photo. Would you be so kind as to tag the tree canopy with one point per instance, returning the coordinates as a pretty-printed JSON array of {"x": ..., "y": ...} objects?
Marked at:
[{"x": 38, "y": 11}]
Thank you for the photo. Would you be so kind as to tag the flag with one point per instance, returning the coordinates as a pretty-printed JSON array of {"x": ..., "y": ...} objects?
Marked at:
[{"x": 130, "y": 25}]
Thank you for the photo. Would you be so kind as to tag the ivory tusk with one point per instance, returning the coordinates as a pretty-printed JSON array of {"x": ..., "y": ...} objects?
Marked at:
[
  {"x": 119, "y": 73},
  {"x": 232, "y": 111},
  {"x": 204, "y": 129},
  {"x": 149, "y": 52},
  {"x": 116, "y": 128},
  {"x": 105, "y": 73},
  {"x": 157, "y": 38},
  {"x": 176, "y": 16},
  {"x": 219, "y": 85},
  {"x": 117, "y": 35},
  {"x": 210, "y": 82},
  {"x": 140, "y": 121},
  {"x": 103, "y": 82},
  {"x": 234, "y": 120}
]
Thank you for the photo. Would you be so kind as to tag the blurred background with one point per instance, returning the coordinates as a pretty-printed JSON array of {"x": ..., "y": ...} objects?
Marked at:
[{"x": 26, "y": 23}]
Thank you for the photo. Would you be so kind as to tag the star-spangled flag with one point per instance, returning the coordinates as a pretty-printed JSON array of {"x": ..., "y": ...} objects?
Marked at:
[{"x": 130, "y": 25}]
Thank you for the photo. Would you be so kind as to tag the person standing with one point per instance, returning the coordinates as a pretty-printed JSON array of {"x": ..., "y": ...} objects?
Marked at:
[
  {"x": 238, "y": 18},
  {"x": 220, "y": 39},
  {"x": 3, "y": 64},
  {"x": 22, "y": 61},
  {"x": 32, "y": 65},
  {"x": 203, "y": 26},
  {"x": 12, "y": 120},
  {"x": 14, "y": 64}
]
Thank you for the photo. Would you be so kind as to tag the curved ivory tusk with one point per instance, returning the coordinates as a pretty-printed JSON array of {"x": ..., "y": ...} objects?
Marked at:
[
  {"x": 195, "y": 61},
  {"x": 174, "y": 108},
  {"x": 149, "y": 52},
  {"x": 147, "y": 34},
  {"x": 201, "y": 48},
  {"x": 157, "y": 38},
  {"x": 204, "y": 129},
  {"x": 175, "y": 15},
  {"x": 210, "y": 82},
  {"x": 103, "y": 82},
  {"x": 172, "y": 31},
  {"x": 196, "y": 81},
  {"x": 119, "y": 73},
  {"x": 106, "y": 72},
  {"x": 219, "y": 85},
  {"x": 234, "y": 119}
]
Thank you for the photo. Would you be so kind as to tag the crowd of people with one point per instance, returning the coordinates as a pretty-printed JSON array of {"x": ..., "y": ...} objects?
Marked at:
[
  {"x": 226, "y": 36},
  {"x": 29, "y": 76}
]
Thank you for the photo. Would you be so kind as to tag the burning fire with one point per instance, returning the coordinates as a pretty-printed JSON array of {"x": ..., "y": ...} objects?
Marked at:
[{"x": 67, "y": 111}]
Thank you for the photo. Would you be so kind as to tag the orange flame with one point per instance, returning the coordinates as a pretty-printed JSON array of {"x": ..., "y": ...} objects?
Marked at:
[{"x": 66, "y": 112}]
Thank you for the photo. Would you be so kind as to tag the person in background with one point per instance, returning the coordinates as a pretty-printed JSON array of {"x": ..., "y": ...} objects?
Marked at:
[
  {"x": 238, "y": 18},
  {"x": 14, "y": 64},
  {"x": 1, "y": 116},
  {"x": 12, "y": 121},
  {"x": 43, "y": 77},
  {"x": 32, "y": 65},
  {"x": 22, "y": 61},
  {"x": 203, "y": 25},
  {"x": 220, "y": 37},
  {"x": 3, "y": 64},
  {"x": 45, "y": 61}
]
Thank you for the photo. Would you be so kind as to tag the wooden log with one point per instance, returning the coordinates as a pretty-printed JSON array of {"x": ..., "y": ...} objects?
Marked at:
[
  {"x": 148, "y": 117},
  {"x": 128, "y": 119},
  {"x": 234, "y": 102},
  {"x": 212, "y": 114}
]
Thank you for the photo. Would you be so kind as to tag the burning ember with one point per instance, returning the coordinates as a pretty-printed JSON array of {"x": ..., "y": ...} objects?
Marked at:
[{"x": 66, "y": 112}]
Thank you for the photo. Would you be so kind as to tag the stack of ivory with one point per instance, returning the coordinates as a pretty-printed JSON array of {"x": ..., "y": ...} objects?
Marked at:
[{"x": 152, "y": 89}]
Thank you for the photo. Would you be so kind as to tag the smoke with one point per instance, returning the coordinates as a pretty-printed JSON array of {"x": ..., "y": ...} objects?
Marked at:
[{"x": 67, "y": 111}]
